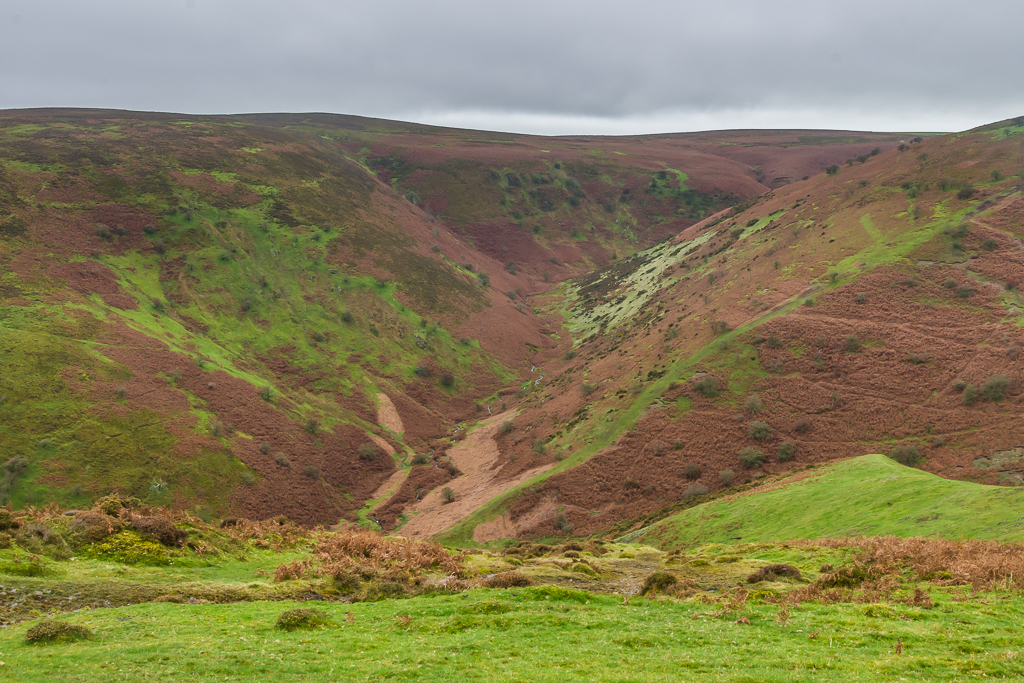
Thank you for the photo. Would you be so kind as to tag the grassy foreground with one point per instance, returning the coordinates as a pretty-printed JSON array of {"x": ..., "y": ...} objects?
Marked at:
[
  {"x": 535, "y": 634},
  {"x": 870, "y": 496}
]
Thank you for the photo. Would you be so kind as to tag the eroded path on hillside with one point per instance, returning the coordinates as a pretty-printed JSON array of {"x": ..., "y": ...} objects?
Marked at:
[{"x": 479, "y": 460}]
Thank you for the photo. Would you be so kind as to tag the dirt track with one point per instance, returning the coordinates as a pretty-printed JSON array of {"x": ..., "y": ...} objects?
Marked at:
[{"x": 478, "y": 458}]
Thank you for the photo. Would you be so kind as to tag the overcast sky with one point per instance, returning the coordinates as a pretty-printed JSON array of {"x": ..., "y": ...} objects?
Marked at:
[{"x": 537, "y": 67}]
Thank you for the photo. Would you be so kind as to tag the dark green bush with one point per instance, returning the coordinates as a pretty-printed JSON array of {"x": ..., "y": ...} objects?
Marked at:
[
  {"x": 787, "y": 449},
  {"x": 970, "y": 394},
  {"x": 906, "y": 454}
]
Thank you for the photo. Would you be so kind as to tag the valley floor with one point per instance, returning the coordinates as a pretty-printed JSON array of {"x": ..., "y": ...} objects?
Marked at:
[{"x": 536, "y": 634}]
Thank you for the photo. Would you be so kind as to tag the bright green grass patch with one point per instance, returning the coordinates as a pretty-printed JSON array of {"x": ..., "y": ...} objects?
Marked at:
[
  {"x": 532, "y": 634},
  {"x": 870, "y": 495}
]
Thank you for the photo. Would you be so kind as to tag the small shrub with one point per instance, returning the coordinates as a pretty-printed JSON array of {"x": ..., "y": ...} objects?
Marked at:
[
  {"x": 966, "y": 192},
  {"x": 103, "y": 232},
  {"x": 303, "y": 618},
  {"x": 970, "y": 394},
  {"x": 311, "y": 471},
  {"x": 562, "y": 523},
  {"x": 786, "y": 451},
  {"x": 160, "y": 529},
  {"x": 48, "y": 631},
  {"x": 420, "y": 459},
  {"x": 266, "y": 394},
  {"x": 657, "y": 447},
  {"x": 753, "y": 403},
  {"x": 853, "y": 343},
  {"x": 447, "y": 379},
  {"x": 587, "y": 389},
  {"x": 861, "y": 298},
  {"x": 569, "y": 355},
  {"x": 759, "y": 431},
  {"x": 149, "y": 229},
  {"x": 906, "y": 454},
  {"x": 989, "y": 244},
  {"x": 658, "y": 582},
  {"x": 694, "y": 490},
  {"x": 719, "y": 326},
  {"x": 346, "y": 317},
  {"x": 312, "y": 425},
  {"x": 507, "y": 427},
  {"x": 751, "y": 457},
  {"x": 995, "y": 388},
  {"x": 422, "y": 371},
  {"x": 511, "y": 579},
  {"x": 707, "y": 387},
  {"x": 692, "y": 471},
  {"x": 773, "y": 572},
  {"x": 282, "y": 460},
  {"x": 538, "y": 446},
  {"x": 802, "y": 427},
  {"x": 959, "y": 385},
  {"x": 447, "y": 495},
  {"x": 368, "y": 451},
  {"x": 726, "y": 476}
]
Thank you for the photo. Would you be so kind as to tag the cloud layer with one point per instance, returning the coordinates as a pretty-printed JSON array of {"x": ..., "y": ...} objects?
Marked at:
[{"x": 546, "y": 67}]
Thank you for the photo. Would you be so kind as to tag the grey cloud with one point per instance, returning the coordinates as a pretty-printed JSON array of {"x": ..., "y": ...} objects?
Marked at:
[{"x": 556, "y": 61}]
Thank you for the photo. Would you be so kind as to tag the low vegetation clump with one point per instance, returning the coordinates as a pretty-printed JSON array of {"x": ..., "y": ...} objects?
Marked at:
[
  {"x": 707, "y": 387},
  {"x": 658, "y": 582},
  {"x": 773, "y": 572},
  {"x": 55, "y": 631},
  {"x": 368, "y": 451},
  {"x": 759, "y": 431},
  {"x": 509, "y": 579},
  {"x": 995, "y": 388},
  {"x": 303, "y": 618},
  {"x": 751, "y": 457},
  {"x": 786, "y": 451},
  {"x": 906, "y": 454}
]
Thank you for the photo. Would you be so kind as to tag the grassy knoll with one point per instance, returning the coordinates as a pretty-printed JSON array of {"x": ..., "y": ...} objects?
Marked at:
[
  {"x": 533, "y": 634},
  {"x": 869, "y": 495}
]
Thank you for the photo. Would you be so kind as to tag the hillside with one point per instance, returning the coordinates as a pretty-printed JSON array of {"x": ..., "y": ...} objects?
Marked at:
[
  {"x": 330, "y": 317},
  {"x": 871, "y": 309},
  {"x": 866, "y": 496},
  {"x": 264, "y": 315}
]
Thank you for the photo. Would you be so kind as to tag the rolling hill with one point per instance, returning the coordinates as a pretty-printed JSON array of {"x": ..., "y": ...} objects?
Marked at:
[{"x": 331, "y": 317}]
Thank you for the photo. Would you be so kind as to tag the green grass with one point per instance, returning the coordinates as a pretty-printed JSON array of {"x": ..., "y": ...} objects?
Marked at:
[
  {"x": 532, "y": 634},
  {"x": 870, "y": 495}
]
